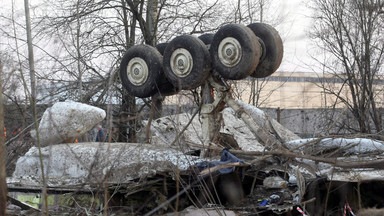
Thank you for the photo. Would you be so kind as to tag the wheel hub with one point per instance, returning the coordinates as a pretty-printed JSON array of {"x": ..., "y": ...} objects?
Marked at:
[
  {"x": 181, "y": 62},
  {"x": 230, "y": 52},
  {"x": 137, "y": 71}
]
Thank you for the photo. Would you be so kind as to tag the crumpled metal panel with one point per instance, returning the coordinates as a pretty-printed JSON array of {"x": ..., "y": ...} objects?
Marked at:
[{"x": 91, "y": 162}]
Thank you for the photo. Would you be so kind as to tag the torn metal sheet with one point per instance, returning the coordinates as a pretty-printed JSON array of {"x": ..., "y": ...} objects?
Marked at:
[
  {"x": 341, "y": 174},
  {"x": 164, "y": 130},
  {"x": 91, "y": 162},
  {"x": 343, "y": 145},
  {"x": 66, "y": 121}
]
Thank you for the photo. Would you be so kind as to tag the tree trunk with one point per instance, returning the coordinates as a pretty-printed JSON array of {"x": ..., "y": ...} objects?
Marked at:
[
  {"x": 3, "y": 175},
  {"x": 157, "y": 99},
  {"x": 31, "y": 60},
  {"x": 33, "y": 98},
  {"x": 127, "y": 125}
]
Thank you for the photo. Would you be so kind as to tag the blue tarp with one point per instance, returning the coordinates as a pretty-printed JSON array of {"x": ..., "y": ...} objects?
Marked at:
[{"x": 226, "y": 157}]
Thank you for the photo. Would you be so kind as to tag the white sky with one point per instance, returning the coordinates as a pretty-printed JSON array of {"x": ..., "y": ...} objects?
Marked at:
[
  {"x": 294, "y": 34},
  {"x": 293, "y": 29}
]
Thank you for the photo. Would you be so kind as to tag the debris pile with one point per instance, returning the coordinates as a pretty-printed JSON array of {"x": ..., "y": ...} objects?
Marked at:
[
  {"x": 266, "y": 172},
  {"x": 228, "y": 161}
]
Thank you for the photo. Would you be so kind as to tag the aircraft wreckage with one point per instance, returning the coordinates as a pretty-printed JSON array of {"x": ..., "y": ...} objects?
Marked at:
[{"x": 225, "y": 158}]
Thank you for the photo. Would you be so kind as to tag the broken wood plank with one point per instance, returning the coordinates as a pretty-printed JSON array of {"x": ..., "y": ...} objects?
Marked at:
[{"x": 221, "y": 166}]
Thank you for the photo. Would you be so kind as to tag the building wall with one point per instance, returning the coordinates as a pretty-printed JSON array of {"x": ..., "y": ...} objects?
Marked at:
[
  {"x": 287, "y": 91},
  {"x": 312, "y": 122},
  {"x": 299, "y": 99}
]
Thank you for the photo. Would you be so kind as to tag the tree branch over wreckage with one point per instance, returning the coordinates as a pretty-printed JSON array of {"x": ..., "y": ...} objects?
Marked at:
[{"x": 346, "y": 163}]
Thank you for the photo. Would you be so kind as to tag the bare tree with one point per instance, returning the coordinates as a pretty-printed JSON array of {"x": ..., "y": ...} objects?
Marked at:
[
  {"x": 350, "y": 32},
  {"x": 176, "y": 17},
  {"x": 79, "y": 44},
  {"x": 250, "y": 11}
]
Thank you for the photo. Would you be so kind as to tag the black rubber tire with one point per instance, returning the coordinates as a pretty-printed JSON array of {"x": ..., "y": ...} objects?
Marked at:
[
  {"x": 164, "y": 87},
  {"x": 273, "y": 53},
  {"x": 199, "y": 69},
  {"x": 153, "y": 59},
  {"x": 161, "y": 47},
  {"x": 206, "y": 38},
  {"x": 249, "y": 55}
]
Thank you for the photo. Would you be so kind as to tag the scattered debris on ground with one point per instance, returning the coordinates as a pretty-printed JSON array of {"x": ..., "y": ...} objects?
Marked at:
[{"x": 239, "y": 174}]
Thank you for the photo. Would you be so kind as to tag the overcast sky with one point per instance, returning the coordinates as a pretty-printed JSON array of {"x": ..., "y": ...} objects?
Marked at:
[
  {"x": 293, "y": 30},
  {"x": 297, "y": 22}
]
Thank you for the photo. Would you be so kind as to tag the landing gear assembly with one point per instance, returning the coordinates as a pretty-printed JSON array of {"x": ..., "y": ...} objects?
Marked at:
[{"x": 234, "y": 52}]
